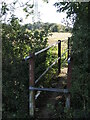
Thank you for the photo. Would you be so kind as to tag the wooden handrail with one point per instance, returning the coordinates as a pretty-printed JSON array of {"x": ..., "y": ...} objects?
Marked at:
[
  {"x": 50, "y": 89},
  {"x": 32, "y": 82},
  {"x": 36, "y": 53},
  {"x": 50, "y": 67}
]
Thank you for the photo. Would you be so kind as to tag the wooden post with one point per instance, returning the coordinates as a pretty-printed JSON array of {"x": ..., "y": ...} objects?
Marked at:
[
  {"x": 68, "y": 46},
  {"x": 68, "y": 101},
  {"x": 59, "y": 55},
  {"x": 69, "y": 76},
  {"x": 68, "y": 85},
  {"x": 68, "y": 79},
  {"x": 69, "y": 73},
  {"x": 31, "y": 84}
]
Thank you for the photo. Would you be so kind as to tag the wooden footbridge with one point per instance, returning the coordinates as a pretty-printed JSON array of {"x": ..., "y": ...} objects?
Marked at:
[{"x": 33, "y": 82}]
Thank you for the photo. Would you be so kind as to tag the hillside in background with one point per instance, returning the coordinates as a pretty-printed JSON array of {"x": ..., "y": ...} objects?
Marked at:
[{"x": 52, "y": 27}]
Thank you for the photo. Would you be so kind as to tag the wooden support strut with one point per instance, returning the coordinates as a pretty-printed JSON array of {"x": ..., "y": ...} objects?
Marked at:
[
  {"x": 69, "y": 83},
  {"x": 31, "y": 84},
  {"x": 59, "y": 55}
]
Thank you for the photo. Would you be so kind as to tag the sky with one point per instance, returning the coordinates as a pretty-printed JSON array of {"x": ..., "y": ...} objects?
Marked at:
[{"x": 47, "y": 12}]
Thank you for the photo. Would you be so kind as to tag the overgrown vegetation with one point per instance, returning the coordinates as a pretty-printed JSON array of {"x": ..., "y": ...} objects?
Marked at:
[
  {"x": 18, "y": 41},
  {"x": 80, "y": 77},
  {"x": 51, "y": 27},
  {"x": 16, "y": 44}
]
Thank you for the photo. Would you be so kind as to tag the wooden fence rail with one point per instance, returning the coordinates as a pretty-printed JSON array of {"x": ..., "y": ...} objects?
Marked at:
[{"x": 32, "y": 81}]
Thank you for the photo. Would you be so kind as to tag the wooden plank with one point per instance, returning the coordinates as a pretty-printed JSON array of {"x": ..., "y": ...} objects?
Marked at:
[
  {"x": 31, "y": 83},
  {"x": 49, "y": 89},
  {"x": 36, "y": 53}
]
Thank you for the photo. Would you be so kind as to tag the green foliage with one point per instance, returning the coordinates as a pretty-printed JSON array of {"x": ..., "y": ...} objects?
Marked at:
[
  {"x": 80, "y": 37},
  {"x": 9, "y": 9},
  {"x": 4, "y": 8},
  {"x": 17, "y": 42},
  {"x": 14, "y": 71},
  {"x": 47, "y": 59},
  {"x": 48, "y": 27},
  {"x": 55, "y": 28},
  {"x": 80, "y": 69}
]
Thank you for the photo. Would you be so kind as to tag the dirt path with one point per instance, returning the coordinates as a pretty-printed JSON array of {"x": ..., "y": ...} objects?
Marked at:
[{"x": 48, "y": 104}]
